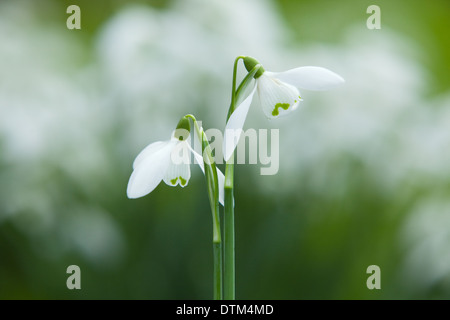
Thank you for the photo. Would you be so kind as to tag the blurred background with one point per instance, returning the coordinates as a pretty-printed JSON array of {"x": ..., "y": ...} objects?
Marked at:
[{"x": 364, "y": 175}]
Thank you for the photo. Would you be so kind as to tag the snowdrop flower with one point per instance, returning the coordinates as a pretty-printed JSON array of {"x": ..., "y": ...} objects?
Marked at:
[
  {"x": 278, "y": 95},
  {"x": 169, "y": 161}
]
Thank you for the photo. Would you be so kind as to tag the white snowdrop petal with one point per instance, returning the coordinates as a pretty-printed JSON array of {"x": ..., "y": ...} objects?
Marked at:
[
  {"x": 277, "y": 98},
  {"x": 310, "y": 78},
  {"x": 221, "y": 182},
  {"x": 151, "y": 148},
  {"x": 178, "y": 172},
  {"x": 234, "y": 126},
  {"x": 149, "y": 171},
  {"x": 198, "y": 159}
]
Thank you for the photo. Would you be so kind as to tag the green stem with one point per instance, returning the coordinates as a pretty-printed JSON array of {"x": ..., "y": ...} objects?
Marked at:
[
  {"x": 241, "y": 88},
  {"x": 213, "y": 194},
  {"x": 229, "y": 227},
  {"x": 218, "y": 271},
  {"x": 233, "y": 87},
  {"x": 229, "y": 238},
  {"x": 212, "y": 180}
]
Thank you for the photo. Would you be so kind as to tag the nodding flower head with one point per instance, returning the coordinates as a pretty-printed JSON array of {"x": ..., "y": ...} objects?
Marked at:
[
  {"x": 278, "y": 95},
  {"x": 167, "y": 161}
]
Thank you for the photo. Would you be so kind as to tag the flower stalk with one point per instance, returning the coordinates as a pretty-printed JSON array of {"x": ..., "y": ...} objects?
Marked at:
[
  {"x": 229, "y": 225},
  {"x": 212, "y": 183}
]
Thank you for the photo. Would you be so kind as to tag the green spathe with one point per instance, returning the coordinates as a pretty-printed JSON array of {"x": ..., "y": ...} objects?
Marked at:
[
  {"x": 250, "y": 63},
  {"x": 183, "y": 129}
]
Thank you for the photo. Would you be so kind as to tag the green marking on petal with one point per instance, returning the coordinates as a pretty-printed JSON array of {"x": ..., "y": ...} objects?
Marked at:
[
  {"x": 183, "y": 182},
  {"x": 275, "y": 111}
]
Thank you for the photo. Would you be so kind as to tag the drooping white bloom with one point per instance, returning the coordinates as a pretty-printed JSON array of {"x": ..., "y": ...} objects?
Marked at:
[
  {"x": 278, "y": 95},
  {"x": 166, "y": 160},
  {"x": 155, "y": 163}
]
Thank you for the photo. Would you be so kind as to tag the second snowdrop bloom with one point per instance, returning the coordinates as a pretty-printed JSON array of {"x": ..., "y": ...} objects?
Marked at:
[
  {"x": 167, "y": 161},
  {"x": 278, "y": 94}
]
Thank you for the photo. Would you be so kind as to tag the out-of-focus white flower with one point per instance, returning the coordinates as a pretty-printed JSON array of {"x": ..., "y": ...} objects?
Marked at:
[
  {"x": 278, "y": 95},
  {"x": 140, "y": 58},
  {"x": 425, "y": 240}
]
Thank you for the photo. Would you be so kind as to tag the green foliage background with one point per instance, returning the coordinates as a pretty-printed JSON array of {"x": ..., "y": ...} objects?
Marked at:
[{"x": 302, "y": 244}]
